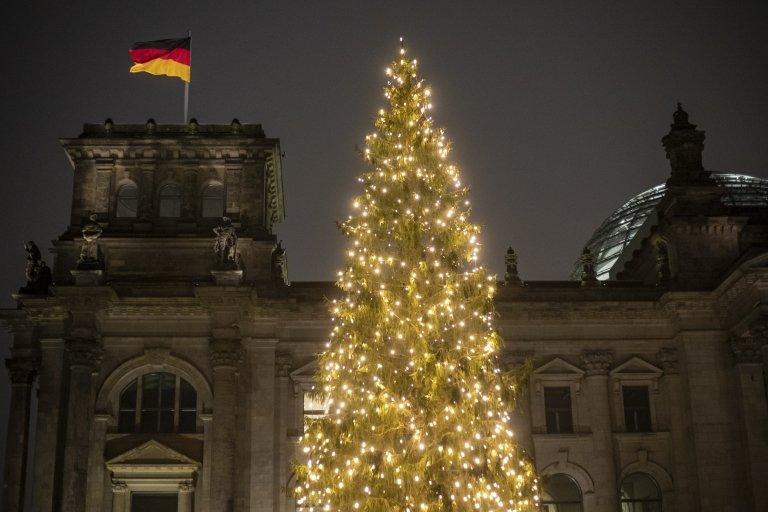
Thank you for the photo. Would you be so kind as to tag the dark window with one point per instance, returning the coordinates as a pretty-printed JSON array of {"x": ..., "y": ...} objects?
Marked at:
[
  {"x": 639, "y": 493},
  {"x": 557, "y": 406},
  {"x": 560, "y": 493},
  {"x": 126, "y": 421},
  {"x": 127, "y": 200},
  {"x": 637, "y": 408},
  {"x": 158, "y": 402},
  {"x": 170, "y": 201},
  {"x": 156, "y": 502},
  {"x": 213, "y": 200}
]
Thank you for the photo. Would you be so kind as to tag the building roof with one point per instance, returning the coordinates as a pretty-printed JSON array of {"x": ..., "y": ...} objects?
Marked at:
[{"x": 611, "y": 240}]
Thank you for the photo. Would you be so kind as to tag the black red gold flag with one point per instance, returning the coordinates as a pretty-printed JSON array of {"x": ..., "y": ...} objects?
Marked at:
[{"x": 171, "y": 57}]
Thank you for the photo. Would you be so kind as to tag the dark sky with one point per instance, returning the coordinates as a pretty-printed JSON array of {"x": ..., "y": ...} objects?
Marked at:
[{"x": 555, "y": 108}]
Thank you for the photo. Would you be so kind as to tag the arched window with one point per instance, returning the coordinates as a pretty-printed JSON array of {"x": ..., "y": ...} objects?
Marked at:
[
  {"x": 158, "y": 402},
  {"x": 213, "y": 200},
  {"x": 560, "y": 493},
  {"x": 170, "y": 201},
  {"x": 639, "y": 493},
  {"x": 127, "y": 200}
]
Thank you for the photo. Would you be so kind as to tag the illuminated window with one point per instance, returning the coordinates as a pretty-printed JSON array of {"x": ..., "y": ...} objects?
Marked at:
[
  {"x": 158, "y": 402},
  {"x": 213, "y": 201},
  {"x": 637, "y": 408},
  {"x": 127, "y": 200},
  {"x": 557, "y": 406},
  {"x": 560, "y": 493},
  {"x": 639, "y": 493},
  {"x": 170, "y": 201},
  {"x": 314, "y": 407}
]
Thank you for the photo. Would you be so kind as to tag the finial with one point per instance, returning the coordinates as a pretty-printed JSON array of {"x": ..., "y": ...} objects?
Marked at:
[
  {"x": 235, "y": 125},
  {"x": 150, "y": 126},
  {"x": 193, "y": 125},
  {"x": 108, "y": 125},
  {"x": 680, "y": 118},
  {"x": 510, "y": 261},
  {"x": 588, "y": 273}
]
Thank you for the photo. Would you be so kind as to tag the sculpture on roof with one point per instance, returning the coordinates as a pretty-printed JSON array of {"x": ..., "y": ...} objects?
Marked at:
[
  {"x": 279, "y": 264},
  {"x": 90, "y": 254},
  {"x": 587, "y": 262},
  {"x": 510, "y": 261},
  {"x": 225, "y": 245},
  {"x": 38, "y": 274}
]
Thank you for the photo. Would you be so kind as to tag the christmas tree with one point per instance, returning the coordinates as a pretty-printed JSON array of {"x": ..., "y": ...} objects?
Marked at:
[{"x": 418, "y": 409}]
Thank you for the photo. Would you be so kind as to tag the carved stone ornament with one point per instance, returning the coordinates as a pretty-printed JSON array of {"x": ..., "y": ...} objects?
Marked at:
[
  {"x": 226, "y": 355},
  {"x": 747, "y": 349},
  {"x": 186, "y": 486},
  {"x": 225, "y": 245},
  {"x": 22, "y": 370},
  {"x": 119, "y": 487},
  {"x": 663, "y": 269},
  {"x": 84, "y": 354},
  {"x": 90, "y": 255},
  {"x": 279, "y": 264},
  {"x": 668, "y": 358},
  {"x": 597, "y": 362},
  {"x": 283, "y": 364}
]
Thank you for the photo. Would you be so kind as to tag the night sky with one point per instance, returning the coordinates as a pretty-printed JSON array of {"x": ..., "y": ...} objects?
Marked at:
[{"x": 555, "y": 108}]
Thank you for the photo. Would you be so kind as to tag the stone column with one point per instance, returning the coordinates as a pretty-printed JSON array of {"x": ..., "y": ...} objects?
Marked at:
[
  {"x": 84, "y": 358},
  {"x": 750, "y": 386},
  {"x": 683, "y": 450},
  {"x": 596, "y": 364},
  {"x": 186, "y": 492},
  {"x": 45, "y": 474},
  {"x": 96, "y": 469},
  {"x": 21, "y": 371},
  {"x": 226, "y": 356},
  {"x": 262, "y": 404},
  {"x": 283, "y": 364},
  {"x": 120, "y": 497}
]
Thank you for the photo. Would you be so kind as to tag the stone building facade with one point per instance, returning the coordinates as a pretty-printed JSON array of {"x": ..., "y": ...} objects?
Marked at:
[{"x": 172, "y": 376}]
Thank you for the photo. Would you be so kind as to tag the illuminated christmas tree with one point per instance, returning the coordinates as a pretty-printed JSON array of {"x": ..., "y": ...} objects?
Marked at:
[{"x": 418, "y": 410}]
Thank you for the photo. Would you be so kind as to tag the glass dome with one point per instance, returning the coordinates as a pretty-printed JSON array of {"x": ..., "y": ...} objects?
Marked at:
[{"x": 609, "y": 242}]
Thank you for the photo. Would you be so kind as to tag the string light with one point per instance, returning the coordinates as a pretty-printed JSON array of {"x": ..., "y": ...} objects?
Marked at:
[{"x": 418, "y": 415}]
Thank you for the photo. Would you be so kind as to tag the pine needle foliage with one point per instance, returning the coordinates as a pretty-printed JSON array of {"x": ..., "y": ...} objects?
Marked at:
[{"x": 418, "y": 410}]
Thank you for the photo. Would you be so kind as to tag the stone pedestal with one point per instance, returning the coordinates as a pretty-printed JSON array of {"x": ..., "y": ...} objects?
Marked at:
[
  {"x": 88, "y": 277},
  {"x": 227, "y": 277},
  {"x": 22, "y": 373},
  {"x": 596, "y": 364}
]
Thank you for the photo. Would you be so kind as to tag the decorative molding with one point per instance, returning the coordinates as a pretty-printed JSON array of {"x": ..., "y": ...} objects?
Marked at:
[
  {"x": 226, "y": 354},
  {"x": 283, "y": 364},
  {"x": 84, "y": 354},
  {"x": 22, "y": 370},
  {"x": 597, "y": 362},
  {"x": 668, "y": 358}
]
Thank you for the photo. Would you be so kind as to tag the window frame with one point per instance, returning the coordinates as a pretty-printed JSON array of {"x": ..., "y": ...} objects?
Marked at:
[
  {"x": 208, "y": 185},
  {"x": 555, "y": 373},
  {"x": 557, "y": 503},
  {"x": 636, "y": 427},
  {"x": 139, "y": 406},
  {"x": 557, "y": 428},
  {"x": 659, "y": 493},
  {"x": 636, "y": 372},
  {"x": 178, "y": 197},
  {"x": 118, "y": 191}
]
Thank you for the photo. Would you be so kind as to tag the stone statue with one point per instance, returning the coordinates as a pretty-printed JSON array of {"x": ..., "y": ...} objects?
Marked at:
[
  {"x": 90, "y": 255},
  {"x": 510, "y": 260},
  {"x": 663, "y": 269},
  {"x": 38, "y": 274},
  {"x": 588, "y": 273},
  {"x": 279, "y": 264},
  {"x": 225, "y": 245}
]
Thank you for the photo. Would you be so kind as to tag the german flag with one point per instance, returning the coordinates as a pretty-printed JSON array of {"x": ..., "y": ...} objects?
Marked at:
[{"x": 171, "y": 57}]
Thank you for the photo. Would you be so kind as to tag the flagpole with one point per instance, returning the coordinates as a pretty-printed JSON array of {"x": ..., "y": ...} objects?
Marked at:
[{"x": 186, "y": 84}]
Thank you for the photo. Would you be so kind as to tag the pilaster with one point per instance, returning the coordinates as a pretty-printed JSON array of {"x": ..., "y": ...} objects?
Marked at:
[
  {"x": 596, "y": 365},
  {"x": 21, "y": 371}
]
